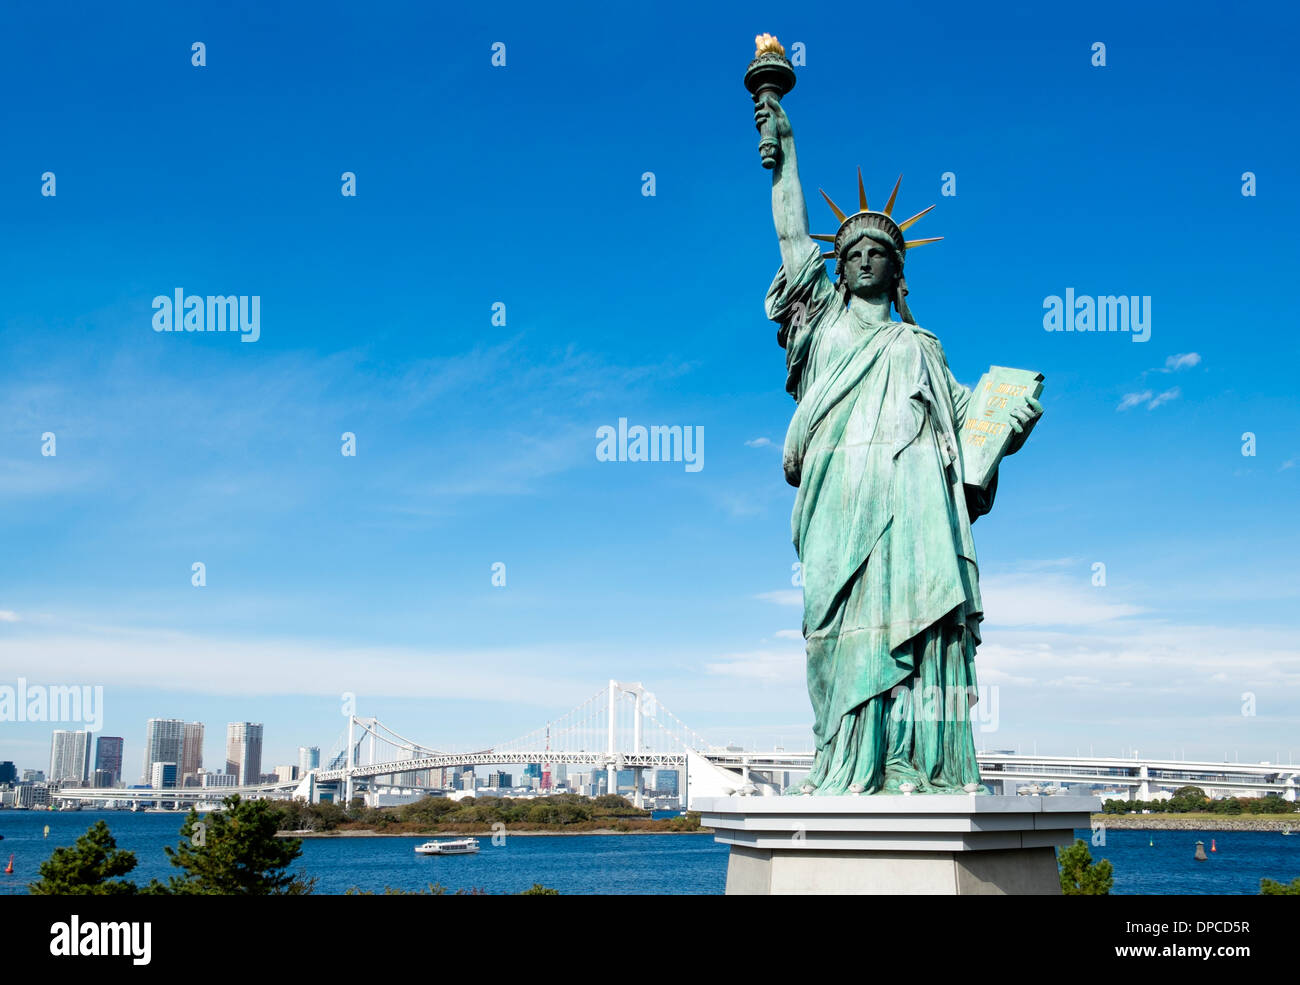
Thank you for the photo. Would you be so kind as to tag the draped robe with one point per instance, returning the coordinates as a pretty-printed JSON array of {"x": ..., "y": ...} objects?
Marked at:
[{"x": 881, "y": 524}]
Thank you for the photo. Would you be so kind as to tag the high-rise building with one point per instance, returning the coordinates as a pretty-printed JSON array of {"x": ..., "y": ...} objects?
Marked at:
[
  {"x": 667, "y": 783},
  {"x": 162, "y": 776},
  {"x": 244, "y": 752},
  {"x": 8, "y": 772},
  {"x": 500, "y": 779},
  {"x": 70, "y": 756},
  {"x": 308, "y": 759},
  {"x": 283, "y": 774},
  {"x": 164, "y": 739},
  {"x": 191, "y": 749},
  {"x": 108, "y": 760}
]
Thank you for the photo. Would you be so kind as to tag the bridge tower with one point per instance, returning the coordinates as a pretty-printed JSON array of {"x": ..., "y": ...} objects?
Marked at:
[
  {"x": 638, "y": 779},
  {"x": 611, "y": 770},
  {"x": 546, "y": 767},
  {"x": 350, "y": 763},
  {"x": 637, "y": 771}
]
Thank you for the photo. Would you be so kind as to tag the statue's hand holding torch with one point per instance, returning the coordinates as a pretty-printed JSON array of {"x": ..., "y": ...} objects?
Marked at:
[{"x": 769, "y": 77}]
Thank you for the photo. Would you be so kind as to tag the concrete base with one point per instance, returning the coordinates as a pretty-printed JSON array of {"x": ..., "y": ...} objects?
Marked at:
[{"x": 933, "y": 845}]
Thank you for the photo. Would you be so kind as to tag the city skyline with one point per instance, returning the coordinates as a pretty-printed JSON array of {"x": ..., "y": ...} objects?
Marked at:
[{"x": 1135, "y": 568}]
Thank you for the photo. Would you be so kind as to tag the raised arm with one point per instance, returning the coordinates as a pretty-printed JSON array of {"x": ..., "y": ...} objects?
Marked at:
[{"x": 789, "y": 211}]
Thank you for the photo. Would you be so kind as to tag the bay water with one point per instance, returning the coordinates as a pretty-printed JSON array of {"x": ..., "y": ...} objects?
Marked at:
[{"x": 1145, "y": 862}]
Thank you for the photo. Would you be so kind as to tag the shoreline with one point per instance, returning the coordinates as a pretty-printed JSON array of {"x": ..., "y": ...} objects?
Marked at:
[
  {"x": 1167, "y": 822},
  {"x": 354, "y": 833}
]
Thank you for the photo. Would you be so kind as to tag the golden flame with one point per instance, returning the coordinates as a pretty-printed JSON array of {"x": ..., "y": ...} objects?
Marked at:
[{"x": 765, "y": 44}]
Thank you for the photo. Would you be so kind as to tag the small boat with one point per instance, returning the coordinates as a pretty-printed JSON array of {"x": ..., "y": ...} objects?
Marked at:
[
  {"x": 1286, "y": 831},
  {"x": 454, "y": 846}
]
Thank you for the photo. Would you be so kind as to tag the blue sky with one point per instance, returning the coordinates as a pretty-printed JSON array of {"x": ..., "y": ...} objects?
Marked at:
[{"x": 476, "y": 441}]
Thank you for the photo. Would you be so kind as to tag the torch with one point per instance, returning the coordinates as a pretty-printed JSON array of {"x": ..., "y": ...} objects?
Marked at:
[{"x": 769, "y": 72}]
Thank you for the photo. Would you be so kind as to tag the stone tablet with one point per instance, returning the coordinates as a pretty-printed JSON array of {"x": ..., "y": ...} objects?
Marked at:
[{"x": 987, "y": 431}]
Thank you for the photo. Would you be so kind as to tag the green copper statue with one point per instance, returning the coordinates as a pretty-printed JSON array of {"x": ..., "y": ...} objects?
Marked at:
[{"x": 882, "y": 517}]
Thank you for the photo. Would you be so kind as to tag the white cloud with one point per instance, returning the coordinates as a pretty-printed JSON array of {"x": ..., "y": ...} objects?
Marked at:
[
  {"x": 789, "y": 634},
  {"x": 8, "y": 615},
  {"x": 758, "y": 443},
  {"x": 178, "y": 661},
  {"x": 1182, "y": 360},
  {"x": 1149, "y": 659},
  {"x": 1150, "y": 398},
  {"x": 786, "y": 596},
  {"x": 1049, "y": 600},
  {"x": 776, "y": 666}
]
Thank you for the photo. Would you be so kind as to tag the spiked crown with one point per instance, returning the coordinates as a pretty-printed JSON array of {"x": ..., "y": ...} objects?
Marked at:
[{"x": 866, "y": 219}]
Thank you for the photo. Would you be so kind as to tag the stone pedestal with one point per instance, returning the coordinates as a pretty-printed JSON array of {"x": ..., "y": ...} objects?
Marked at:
[{"x": 963, "y": 845}]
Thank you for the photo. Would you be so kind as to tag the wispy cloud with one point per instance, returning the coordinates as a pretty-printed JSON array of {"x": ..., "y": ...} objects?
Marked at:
[
  {"x": 785, "y": 596},
  {"x": 784, "y": 666},
  {"x": 758, "y": 443},
  {"x": 206, "y": 664},
  {"x": 1151, "y": 399},
  {"x": 1182, "y": 360},
  {"x": 1025, "y": 599}
]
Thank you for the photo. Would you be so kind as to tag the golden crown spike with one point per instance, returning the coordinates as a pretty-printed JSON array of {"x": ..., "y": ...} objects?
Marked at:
[{"x": 883, "y": 221}]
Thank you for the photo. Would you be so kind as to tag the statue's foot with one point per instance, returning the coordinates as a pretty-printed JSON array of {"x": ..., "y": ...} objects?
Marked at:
[
  {"x": 901, "y": 780},
  {"x": 801, "y": 789}
]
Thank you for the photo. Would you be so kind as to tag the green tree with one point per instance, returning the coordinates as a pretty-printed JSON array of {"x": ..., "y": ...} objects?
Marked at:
[
  {"x": 1080, "y": 876},
  {"x": 1186, "y": 799},
  {"x": 537, "y": 889},
  {"x": 1269, "y": 887},
  {"x": 234, "y": 852},
  {"x": 325, "y": 816},
  {"x": 88, "y": 868}
]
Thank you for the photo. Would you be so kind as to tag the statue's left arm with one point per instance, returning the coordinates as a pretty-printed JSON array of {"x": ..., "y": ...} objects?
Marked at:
[
  {"x": 1023, "y": 418},
  {"x": 978, "y": 501}
]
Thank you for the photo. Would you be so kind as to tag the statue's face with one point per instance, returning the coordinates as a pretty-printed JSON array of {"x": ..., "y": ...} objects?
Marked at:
[{"x": 869, "y": 269}]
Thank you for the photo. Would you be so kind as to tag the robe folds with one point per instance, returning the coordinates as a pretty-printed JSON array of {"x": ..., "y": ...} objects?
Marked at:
[{"x": 882, "y": 527}]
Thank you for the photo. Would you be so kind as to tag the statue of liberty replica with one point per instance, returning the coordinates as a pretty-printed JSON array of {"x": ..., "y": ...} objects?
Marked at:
[{"x": 883, "y": 455}]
